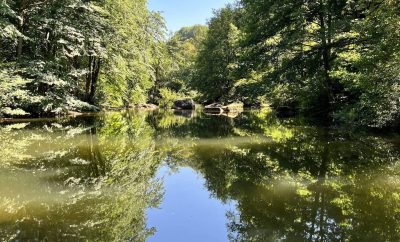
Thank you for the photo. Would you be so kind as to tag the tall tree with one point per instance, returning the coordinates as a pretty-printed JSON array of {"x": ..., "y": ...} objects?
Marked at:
[
  {"x": 132, "y": 46},
  {"x": 184, "y": 48},
  {"x": 54, "y": 45},
  {"x": 217, "y": 60},
  {"x": 75, "y": 54},
  {"x": 300, "y": 48},
  {"x": 174, "y": 64},
  {"x": 370, "y": 70}
]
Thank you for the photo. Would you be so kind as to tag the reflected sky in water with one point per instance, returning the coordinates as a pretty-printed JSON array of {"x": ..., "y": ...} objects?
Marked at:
[{"x": 188, "y": 211}]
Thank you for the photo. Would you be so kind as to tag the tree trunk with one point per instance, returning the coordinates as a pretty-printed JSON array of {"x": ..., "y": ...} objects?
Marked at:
[
  {"x": 20, "y": 42},
  {"x": 88, "y": 79},
  {"x": 326, "y": 51},
  {"x": 19, "y": 48},
  {"x": 91, "y": 79},
  {"x": 95, "y": 76}
]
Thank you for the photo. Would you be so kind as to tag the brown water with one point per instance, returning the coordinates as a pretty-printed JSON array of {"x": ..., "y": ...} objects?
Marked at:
[{"x": 137, "y": 176}]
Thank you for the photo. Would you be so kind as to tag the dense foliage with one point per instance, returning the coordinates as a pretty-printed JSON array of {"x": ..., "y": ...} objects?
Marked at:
[
  {"x": 217, "y": 61},
  {"x": 335, "y": 59},
  {"x": 49, "y": 56},
  {"x": 332, "y": 59},
  {"x": 175, "y": 67},
  {"x": 59, "y": 56},
  {"x": 133, "y": 48}
]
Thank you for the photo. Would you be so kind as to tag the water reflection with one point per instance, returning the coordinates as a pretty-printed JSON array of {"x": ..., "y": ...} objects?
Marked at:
[
  {"x": 294, "y": 182},
  {"x": 89, "y": 179},
  {"x": 94, "y": 178},
  {"x": 186, "y": 218}
]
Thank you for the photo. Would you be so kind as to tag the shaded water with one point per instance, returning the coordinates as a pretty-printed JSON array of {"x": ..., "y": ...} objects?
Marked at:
[{"x": 136, "y": 176}]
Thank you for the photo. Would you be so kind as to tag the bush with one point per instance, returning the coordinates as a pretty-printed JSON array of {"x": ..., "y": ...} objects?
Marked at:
[{"x": 168, "y": 97}]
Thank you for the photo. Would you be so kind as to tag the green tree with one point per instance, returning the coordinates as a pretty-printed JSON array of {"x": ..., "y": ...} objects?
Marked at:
[
  {"x": 132, "y": 48},
  {"x": 217, "y": 61},
  {"x": 184, "y": 48},
  {"x": 174, "y": 66},
  {"x": 370, "y": 72},
  {"x": 52, "y": 49},
  {"x": 319, "y": 56},
  {"x": 74, "y": 55}
]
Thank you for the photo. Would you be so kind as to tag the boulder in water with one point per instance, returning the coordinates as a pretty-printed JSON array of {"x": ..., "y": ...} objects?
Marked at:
[
  {"x": 184, "y": 104},
  {"x": 146, "y": 106},
  {"x": 230, "y": 110},
  {"x": 234, "y": 107},
  {"x": 214, "y": 108}
]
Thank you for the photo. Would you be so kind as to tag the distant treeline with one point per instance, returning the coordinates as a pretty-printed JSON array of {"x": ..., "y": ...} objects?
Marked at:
[{"x": 332, "y": 59}]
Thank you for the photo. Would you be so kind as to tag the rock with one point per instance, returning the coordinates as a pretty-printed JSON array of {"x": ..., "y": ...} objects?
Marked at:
[
  {"x": 146, "y": 106},
  {"x": 184, "y": 104},
  {"x": 234, "y": 107},
  {"x": 214, "y": 108},
  {"x": 74, "y": 113},
  {"x": 231, "y": 110},
  {"x": 109, "y": 108},
  {"x": 214, "y": 105}
]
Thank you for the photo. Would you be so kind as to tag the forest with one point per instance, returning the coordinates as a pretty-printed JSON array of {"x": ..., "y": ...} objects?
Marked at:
[{"x": 335, "y": 60}]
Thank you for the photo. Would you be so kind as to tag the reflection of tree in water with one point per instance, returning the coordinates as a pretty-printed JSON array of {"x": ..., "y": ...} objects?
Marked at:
[
  {"x": 313, "y": 185},
  {"x": 97, "y": 176},
  {"x": 170, "y": 124},
  {"x": 134, "y": 166},
  {"x": 92, "y": 177}
]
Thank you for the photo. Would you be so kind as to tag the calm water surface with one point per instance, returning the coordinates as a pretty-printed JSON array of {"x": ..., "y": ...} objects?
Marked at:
[{"x": 164, "y": 176}]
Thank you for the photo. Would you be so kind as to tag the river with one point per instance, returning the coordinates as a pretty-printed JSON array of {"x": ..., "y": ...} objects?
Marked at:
[{"x": 188, "y": 176}]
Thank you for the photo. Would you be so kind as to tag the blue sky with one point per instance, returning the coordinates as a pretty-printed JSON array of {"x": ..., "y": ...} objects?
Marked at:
[{"x": 180, "y": 13}]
